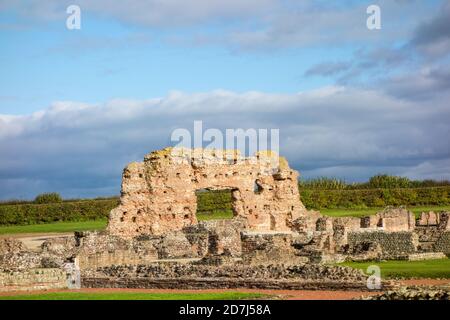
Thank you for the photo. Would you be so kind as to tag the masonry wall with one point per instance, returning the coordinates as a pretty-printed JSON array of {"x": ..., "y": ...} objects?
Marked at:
[
  {"x": 393, "y": 244},
  {"x": 266, "y": 248},
  {"x": 33, "y": 279},
  {"x": 98, "y": 250},
  {"x": 443, "y": 243},
  {"x": 158, "y": 195}
]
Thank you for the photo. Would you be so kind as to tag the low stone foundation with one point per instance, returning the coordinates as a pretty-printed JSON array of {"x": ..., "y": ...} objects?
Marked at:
[
  {"x": 426, "y": 256},
  {"x": 171, "y": 275},
  {"x": 226, "y": 283},
  {"x": 394, "y": 245},
  {"x": 33, "y": 279}
]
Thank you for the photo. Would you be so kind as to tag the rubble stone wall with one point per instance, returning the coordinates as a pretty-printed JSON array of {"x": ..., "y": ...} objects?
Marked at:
[
  {"x": 220, "y": 283},
  {"x": 265, "y": 248},
  {"x": 443, "y": 243},
  {"x": 393, "y": 244},
  {"x": 216, "y": 236},
  {"x": 100, "y": 249},
  {"x": 191, "y": 276},
  {"x": 238, "y": 270}
]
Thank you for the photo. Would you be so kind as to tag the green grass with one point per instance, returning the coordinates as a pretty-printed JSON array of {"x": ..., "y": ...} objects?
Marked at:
[
  {"x": 55, "y": 227},
  {"x": 91, "y": 225},
  {"x": 216, "y": 214},
  {"x": 135, "y": 296},
  {"x": 370, "y": 211},
  {"x": 408, "y": 269}
]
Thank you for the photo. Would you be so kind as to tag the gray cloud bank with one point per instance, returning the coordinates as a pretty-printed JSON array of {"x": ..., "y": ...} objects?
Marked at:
[{"x": 80, "y": 149}]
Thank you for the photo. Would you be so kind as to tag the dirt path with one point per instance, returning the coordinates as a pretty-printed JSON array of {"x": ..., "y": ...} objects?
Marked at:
[
  {"x": 33, "y": 241},
  {"x": 425, "y": 282},
  {"x": 277, "y": 294}
]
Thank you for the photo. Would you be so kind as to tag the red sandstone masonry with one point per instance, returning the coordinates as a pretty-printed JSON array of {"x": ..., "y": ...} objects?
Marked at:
[{"x": 158, "y": 195}]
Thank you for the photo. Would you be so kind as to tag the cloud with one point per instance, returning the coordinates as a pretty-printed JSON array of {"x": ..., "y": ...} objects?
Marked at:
[
  {"x": 425, "y": 84},
  {"x": 80, "y": 149},
  {"x": 150, "y": 13},
  {"x": 415, "y": 69},
  {"x": 327, "y": 69},
  {"x": 433, "y": 36}
]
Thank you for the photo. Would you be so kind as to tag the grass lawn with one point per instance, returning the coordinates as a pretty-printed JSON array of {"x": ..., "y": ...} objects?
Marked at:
[
  {"x": 370, "y": 211},
  {"x": 408, "y": 269},
  {"x": 217, "y": 214},
  {"x": 55, "y": 227},
  {"x": 89, "y": 225},
  {"x": 134, "y": 296}
]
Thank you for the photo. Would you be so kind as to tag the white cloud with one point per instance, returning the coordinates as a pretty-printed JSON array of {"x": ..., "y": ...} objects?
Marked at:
[{"x": 80, "y": 149}]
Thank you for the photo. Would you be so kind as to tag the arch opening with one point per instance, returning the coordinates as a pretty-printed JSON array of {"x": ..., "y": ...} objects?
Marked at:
[{"x": 214, "y": 204}]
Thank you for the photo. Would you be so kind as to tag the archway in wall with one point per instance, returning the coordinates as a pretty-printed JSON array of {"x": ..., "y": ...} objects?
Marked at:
[{"x": 214, "y": 204}]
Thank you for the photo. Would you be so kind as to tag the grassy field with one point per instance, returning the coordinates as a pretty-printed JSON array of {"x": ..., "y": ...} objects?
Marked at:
[
  {"x": 88, "y": 225},
  {"x": 217, "y": 214},
  {"x": 408, "y": 269},
  {"x": 135, "y": 296},
  {"x": 370, "y": 211},
  {"x": 55, "y": 227}
]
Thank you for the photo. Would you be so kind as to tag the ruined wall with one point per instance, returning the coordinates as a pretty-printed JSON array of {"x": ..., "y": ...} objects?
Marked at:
[
  {"x": 390, "y": 219},
  {"x": 267, "y": 248},
  {"x": 231, "y": 283},
  {"x": 393, "y": 244},
  {"x": 32, "y": 279},
  {"x": 216, "y": 237},
  {"x": 158, "y": 195},
  {"x": 443, "y": 243},
  {"x": 96, "y": 250},
  {"x": 239, "y": 275}
]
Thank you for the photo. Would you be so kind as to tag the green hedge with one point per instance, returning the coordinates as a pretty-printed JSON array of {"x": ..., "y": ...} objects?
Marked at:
[
  {"x": 52, "y": 197},
  {"x": 214, "y": 201},
  {"x": 366, "y": 198},
  {"x": 21, "y": 214}
]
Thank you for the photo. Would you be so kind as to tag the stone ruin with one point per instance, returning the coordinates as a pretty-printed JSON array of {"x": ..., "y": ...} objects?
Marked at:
[
  {"x": 153, "y": 238},
  {"x": 159, "y": 194}
]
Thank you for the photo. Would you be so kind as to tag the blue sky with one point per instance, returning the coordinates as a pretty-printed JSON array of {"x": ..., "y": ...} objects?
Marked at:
[
  {"x": 77, "y": 105},
  {"x": 106, "y": 60}
]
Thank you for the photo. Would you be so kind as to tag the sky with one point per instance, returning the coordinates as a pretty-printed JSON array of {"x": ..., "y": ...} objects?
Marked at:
[{"x": 77, "y": 105}]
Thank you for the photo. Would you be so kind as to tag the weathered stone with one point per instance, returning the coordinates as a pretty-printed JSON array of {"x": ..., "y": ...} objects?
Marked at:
[
  {"x": 414, "y": 293},
  {"x": 8, "y": 245},
  {"x": 32, "y": 279},
  {"x": 158, "y": 195},
  {"x": 154, "y": 239}
]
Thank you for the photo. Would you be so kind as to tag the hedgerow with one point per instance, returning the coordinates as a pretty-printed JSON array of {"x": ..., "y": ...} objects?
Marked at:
[
  {"x": 366, "y": 198},
  {"x": 215, "y": 201},
  {"x": 29, "y": 213}
]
